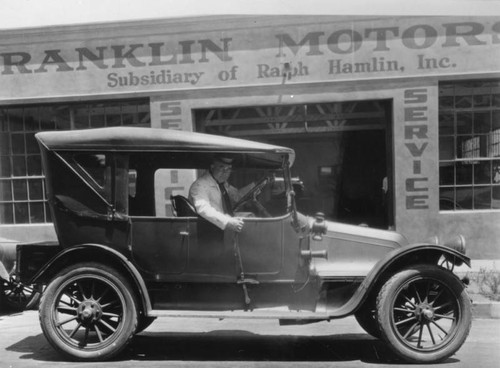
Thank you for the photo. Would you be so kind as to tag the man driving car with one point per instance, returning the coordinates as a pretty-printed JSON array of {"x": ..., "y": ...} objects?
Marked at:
[{"x": 213, "y": 197}]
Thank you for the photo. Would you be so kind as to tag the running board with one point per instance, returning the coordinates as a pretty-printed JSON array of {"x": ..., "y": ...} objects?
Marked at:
[{"x": 272, "y": 313}]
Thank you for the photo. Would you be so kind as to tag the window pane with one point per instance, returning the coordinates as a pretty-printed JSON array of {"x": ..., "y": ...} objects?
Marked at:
[
  {"x": 447, "y": 148},
  {"x": 495, "y": 172},
  {"x": 81, "y": 117},
  {"x": 5, "y": 190},
  {"x": 36, "y": 212},
  {"x": 97, "y": 117},
  {"x": 495, "y": 194},
  {"x": 482, "y": 100},
  {"x": 482, "y": 122},
  {"x": 35, "y": 189},
  {"x": 495, "y": 120},
  {"x": 20, "y": 190},
  {"x": 16, "y": 119},
  {"x": 4, "y": 121},
  {"x": 129, "y": 114},
  {"x": 5, "y": 167},
  {"x": 446, "y": 124},
  {"x": 4, "y": 144},
  {"x": 482, "y": 198},
  {"x": 464, "y": 198},
  {"x": 49, "y": 115},
  {"x": 464, "y": 123},
  {"x": 21, "y": 213},
  {"x": 447, "y": 199},
  {"x": 19, "y": 165},
  {"x": 447, "y": 173},
  {"x": 6, "y": 213},
  {"x": 482, "y": 173},
  {"x": 18, "y": 144},
  {"x": 462, "y": 102},
  {"x": 34, "y": 165},
  {"x": 446, "y": 102},
  {"x": 113, "y": 116},
  {"x": 31, "y": 119},
  {"x": 468, "y": 147},
  {"x": 31, "y": 144},
  {"x": 463, "y": 174},
  {"x": 496, "y": 100}
]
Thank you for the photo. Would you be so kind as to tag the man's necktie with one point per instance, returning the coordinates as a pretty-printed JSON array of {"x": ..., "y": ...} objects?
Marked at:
[{"x": 225, "y": 200}]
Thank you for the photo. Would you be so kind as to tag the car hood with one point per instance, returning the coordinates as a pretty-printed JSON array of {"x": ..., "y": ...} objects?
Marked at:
[{"x": 353, "y": 250}]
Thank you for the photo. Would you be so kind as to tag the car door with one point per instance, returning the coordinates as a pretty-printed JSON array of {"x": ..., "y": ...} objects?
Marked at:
[{"x": 160, "y": 245}]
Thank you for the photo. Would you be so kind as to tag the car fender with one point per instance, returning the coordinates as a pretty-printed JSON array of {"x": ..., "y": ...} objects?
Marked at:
[
  {"x": 88, "y": 252},
  {"x": 7, "y": 259},
  {"x": 3, "y": 272},
  {"x": 412, "y": 254},
  {"x": 394, "y": 261}
]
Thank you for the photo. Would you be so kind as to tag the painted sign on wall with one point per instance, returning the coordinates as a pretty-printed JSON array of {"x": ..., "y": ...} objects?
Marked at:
[{"x": 314, "y": 52}]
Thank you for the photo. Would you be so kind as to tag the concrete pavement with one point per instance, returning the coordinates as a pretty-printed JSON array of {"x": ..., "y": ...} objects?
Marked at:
[{"x": 182, "y": 342}]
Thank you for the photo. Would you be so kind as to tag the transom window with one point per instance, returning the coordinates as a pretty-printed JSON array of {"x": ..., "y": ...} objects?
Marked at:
[
  {"x": 469, "y": 145},
  {"x": 22, "y": 190}
]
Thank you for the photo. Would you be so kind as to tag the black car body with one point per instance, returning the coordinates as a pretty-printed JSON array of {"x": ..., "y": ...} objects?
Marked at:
[{"x": 118, "y": 265}]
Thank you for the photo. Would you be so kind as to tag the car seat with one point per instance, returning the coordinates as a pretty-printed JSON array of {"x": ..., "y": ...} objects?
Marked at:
[{"x": 182, "y": 207}]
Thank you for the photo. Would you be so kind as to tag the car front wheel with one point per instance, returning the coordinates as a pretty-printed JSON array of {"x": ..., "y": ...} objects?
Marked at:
[
  {"x": 88, "y": 312},
  {"x": 424, "y": 314}
]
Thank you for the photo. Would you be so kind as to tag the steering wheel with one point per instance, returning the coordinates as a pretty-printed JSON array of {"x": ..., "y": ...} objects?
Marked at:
[{"x": 252, "y": 194}]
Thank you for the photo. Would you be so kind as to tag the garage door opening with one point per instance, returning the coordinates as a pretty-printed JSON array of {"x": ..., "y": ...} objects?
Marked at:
[{"x": 343, "y": 165}]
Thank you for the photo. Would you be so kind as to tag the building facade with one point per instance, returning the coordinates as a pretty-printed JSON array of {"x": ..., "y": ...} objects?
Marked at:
[{"x": 395, "y": 121}]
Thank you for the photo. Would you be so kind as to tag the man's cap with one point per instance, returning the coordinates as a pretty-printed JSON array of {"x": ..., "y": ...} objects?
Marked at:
[{"x": 227, "y": 160}]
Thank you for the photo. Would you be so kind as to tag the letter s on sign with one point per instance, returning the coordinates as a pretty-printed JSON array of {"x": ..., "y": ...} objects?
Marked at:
[
  {"x": 418, "y": 95},
  {"x": 112, "y": 81}
]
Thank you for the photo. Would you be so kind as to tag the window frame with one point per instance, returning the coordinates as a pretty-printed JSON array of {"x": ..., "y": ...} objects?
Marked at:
[{"x": 468, "y": 129}]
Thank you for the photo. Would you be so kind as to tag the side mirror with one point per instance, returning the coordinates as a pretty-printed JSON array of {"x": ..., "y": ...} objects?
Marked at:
[{"x": 318, "y": 228}]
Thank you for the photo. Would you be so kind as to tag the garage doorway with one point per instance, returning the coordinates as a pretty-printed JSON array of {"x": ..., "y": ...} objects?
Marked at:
[{"x": 343, "y": 164}]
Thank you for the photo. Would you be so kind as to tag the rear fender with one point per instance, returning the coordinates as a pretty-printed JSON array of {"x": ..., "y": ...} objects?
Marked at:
[{"x": 93, "y": 252}]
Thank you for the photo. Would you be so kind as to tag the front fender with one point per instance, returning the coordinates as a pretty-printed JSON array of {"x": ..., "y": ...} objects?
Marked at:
[
  {"x": 395, "y": 261},
  {"x": 410, "y": 255},
  {"x": 93, "y": 252}
]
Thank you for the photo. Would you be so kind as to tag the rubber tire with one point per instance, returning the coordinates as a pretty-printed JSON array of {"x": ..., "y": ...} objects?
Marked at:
[
  {"x": 122, "y": 288},
  {"x": 387, "y": 296}
]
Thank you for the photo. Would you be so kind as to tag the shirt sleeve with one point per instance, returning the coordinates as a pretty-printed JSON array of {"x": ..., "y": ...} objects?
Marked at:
[{"x": 200, "y": 197}]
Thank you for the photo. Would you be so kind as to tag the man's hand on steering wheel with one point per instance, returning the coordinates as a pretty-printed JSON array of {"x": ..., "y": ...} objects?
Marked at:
[{"x": 254, "y": 192}]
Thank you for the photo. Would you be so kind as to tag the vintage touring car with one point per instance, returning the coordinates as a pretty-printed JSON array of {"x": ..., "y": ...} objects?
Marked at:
[{"x": 125, "y": 256}]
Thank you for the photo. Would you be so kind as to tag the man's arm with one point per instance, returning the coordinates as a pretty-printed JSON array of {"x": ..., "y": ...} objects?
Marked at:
[{"x": 200, "y": 196}]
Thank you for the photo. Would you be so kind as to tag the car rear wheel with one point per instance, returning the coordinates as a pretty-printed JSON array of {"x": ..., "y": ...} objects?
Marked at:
[
  {"x": 18, "y": 296},
  {"x": 424, "y": 314},
  {"x": 88, "y": 312}
]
